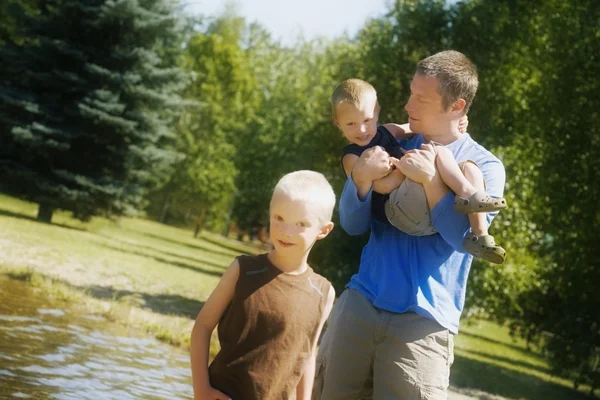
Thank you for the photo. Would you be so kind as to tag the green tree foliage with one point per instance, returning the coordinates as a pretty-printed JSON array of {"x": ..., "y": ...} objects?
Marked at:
[
  {"x": 11, "y": 12},
  {"x": 392, "y": 46},
  {"x": 541, "y": 92},
  {"x": 208, "y": 135},
  {"x": 86, "y": 105},
  {"x": 292, "y": 127},
  {"x": 509, "y": 79}
]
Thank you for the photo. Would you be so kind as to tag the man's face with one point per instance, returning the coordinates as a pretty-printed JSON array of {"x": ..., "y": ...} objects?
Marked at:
[
  {"x": 424, "y": 107},
  {"x": 358, "y": 123}
]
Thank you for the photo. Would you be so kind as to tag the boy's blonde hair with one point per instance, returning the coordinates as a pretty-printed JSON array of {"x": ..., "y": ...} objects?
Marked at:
[
  {"x": 354, "y": 91},
  {"x": 311, "y": 187},
  {"x": 457, "y": 76}
]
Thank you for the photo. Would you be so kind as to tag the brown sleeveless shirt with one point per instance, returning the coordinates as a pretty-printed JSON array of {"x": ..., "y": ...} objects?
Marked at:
[{"x": 266, "y": 332}]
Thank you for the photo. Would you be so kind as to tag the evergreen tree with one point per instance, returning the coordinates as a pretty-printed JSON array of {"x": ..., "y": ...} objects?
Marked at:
[
  {"x": 10, "y": 13},
  {"x": 86, "y": 104}
]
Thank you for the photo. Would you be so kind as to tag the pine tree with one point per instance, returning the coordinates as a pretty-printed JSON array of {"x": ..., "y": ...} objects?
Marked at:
[{"x": 87, "y": 103}]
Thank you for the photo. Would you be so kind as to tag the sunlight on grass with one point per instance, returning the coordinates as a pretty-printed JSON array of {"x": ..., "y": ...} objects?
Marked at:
[
  {"x": 134, "y": 271},
  {"x": 488, "y": 358},
  {"x": 156, "y": 278}
]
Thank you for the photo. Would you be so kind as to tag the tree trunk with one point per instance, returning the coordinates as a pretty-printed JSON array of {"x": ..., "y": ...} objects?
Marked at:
[
  {"x": 165, "y": 208},
  {"x": 45, "y": 212},
  {"x": 200, "y": 222},
  {"x": 227, "y": 227}
]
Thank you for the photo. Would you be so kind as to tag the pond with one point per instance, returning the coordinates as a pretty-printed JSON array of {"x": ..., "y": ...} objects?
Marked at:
[{"x": 52, "y": 351}]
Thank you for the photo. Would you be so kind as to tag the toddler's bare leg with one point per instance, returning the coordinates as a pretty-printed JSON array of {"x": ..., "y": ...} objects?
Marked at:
[
  {"x": 435, "y": 191},
  {"x": 451, "y": 174},
  {"x": 473, "y": 174}
]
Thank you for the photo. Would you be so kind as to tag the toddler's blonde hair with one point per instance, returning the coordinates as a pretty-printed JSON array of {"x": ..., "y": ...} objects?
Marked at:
[{"x": 355, "y": 91}]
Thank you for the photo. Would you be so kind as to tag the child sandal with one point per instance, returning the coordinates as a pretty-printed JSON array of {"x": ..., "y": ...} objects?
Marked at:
[
  {"x": 478, "y": 202},
  {"x": 484, "y": 247}
]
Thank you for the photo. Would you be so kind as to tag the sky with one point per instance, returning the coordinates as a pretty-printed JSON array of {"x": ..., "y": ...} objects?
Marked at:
[{"x": 285, "y": 19}]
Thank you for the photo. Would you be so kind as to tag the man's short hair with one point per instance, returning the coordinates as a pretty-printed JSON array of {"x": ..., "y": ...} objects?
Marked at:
[
  {"x": 354, "y": 91},
  {"x": 310, "y": 187},
  {"x": 456, "y": 74}
]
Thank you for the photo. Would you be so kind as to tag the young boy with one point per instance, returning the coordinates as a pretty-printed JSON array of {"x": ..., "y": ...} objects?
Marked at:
[
  {"x": 270, "y": 308},
  {"x": 355, "y": 112}
]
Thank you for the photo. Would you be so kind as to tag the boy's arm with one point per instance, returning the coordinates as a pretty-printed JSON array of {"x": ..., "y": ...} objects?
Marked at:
[
  {"x": 355, "y": 202},
  {"x": 454, "y": 227},
  {"x": 388, "y": 183},
  {"x": 403, "y": 131},
  {"x": 304, "y": 388},
  {"x": 399, "y": 131},
  {"x": 207, "y": 320},
  {"x": 383, "y": 185}
]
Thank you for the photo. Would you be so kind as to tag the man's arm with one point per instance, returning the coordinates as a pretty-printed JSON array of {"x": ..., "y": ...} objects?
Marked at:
[
  {"x": 453, "y": 227},
  {"x": 355, "y": 214}
]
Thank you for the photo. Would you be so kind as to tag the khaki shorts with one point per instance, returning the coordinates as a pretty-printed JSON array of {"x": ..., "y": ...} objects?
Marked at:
[
  {"x": 407, "y": 208},
  {"x": 368, "y": 353}
]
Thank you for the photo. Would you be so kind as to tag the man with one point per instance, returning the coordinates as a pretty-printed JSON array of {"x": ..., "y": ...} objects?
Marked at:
[{"x": 390, "y": 334}]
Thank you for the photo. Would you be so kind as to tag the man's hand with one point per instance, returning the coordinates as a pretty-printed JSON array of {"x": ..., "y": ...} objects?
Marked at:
[{"x": 418, "y": 164}]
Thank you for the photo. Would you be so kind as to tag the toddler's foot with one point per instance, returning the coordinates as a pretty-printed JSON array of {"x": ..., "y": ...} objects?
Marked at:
[
  {"x": 478, "y": 202},
  {"x": 484, "y": 247}
]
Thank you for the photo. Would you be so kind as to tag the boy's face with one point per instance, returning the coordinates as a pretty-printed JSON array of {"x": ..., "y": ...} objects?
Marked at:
[
  {"x": 295, "y": 226},
  {"x": 358, "y": 123},
  {"x": 426, "y": 114}
]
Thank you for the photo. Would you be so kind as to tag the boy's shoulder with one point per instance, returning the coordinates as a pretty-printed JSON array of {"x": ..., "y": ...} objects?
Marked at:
[
  {"x": 253, "y": 264},
  {"x": 381, "y": 138},
  {"x": 321, "y": 284}
]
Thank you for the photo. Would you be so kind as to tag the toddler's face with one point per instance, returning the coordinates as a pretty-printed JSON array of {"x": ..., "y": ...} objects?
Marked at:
[{"x": 358, "y": 123}]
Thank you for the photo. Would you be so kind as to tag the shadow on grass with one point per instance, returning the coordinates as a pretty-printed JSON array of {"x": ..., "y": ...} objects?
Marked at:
[
  {"x": 201, "y": 260},
  {"x": 178, "y": 264},
  {"x": 196, "y": 246},
  {"x": 159, "y": 303},
  {"x": 11, "y": 214},
  {"x": 231, "y": 246},
  {"x": 496, "y": 342},
  {"x": 524, "y": 364},
  {"x": 472, "y": 374},
  {"x": 168, "y": 304}
]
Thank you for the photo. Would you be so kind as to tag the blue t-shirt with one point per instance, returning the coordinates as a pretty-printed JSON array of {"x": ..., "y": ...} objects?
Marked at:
[{"x": 424, "y": 274}]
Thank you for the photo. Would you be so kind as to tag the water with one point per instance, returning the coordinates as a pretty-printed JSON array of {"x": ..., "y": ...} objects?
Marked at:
[{"x": 49, "y": 351}]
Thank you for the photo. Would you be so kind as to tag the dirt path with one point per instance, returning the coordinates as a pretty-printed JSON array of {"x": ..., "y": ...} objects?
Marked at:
[{"x": 455, "y": 393}]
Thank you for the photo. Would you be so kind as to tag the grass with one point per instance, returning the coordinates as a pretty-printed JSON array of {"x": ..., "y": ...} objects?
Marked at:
[
  {"x": 151, "y": 276},
  {"x": 488, "y": 358},
  {"x": 156, "y": 278}
]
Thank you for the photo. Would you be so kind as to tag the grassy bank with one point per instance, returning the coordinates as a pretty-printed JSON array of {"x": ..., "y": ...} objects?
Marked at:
[
  {"x": 147, "y": 275},
  {"x": 155, "y": 278}
]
